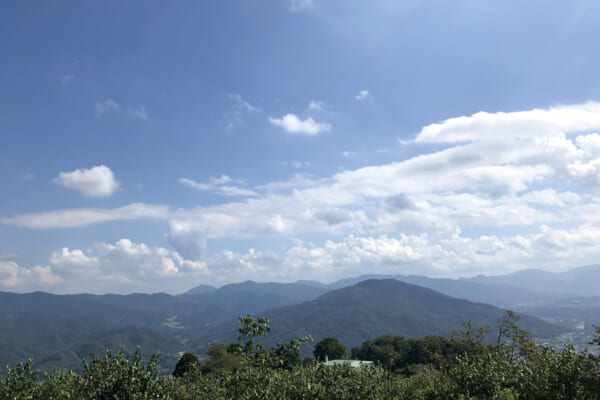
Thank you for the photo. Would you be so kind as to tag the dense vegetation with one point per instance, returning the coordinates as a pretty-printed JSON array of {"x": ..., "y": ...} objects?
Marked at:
[
  {"x": 59, "y": 330},
  {"x": 463, "y": 366}
]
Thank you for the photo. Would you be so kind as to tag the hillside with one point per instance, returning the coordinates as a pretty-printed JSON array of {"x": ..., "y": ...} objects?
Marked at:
[
  {"x": 498, "y": 294},
  {"x": 129, "y": 338},
  {"x": 375, "y": 307}
]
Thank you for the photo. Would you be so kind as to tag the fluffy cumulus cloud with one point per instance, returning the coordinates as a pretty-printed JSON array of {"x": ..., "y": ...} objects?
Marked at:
[
  {"x": 66, "y": 258},
  {"x": 293, "y": 124},
  {"x": 445, "y": 211},
  {"x": 14, "y": 277},
  {"x": 123, "y": 266},
  {"x": 97, "y": 181}
]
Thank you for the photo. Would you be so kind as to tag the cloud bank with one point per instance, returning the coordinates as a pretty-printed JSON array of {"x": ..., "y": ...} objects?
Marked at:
[{"x": 489, "y": 192}]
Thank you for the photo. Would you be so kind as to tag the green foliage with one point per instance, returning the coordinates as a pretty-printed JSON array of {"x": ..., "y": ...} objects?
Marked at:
[
  {"x": 120, "y": 376},
  {"x": 222, "y": 359},
  {"x": 461, "y": 367},
  {"x": 331, "y": 348},
  {"x": 596, "y": 340},
  {"x": 475, "y": 337},
  {"x": 250, "y": 329},
  {"x": 408, "y": 356},
  {"x": 286, "y": 355},
  {"x": 20, "y": 381},
  {"x": 514, "y": 341},
  {"x": 188, "y": 362}
]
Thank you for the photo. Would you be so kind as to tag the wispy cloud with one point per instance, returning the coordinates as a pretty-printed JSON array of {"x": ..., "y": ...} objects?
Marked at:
[
  {"x": 76, "y": 217},
  {"x": 223, "y": 185},
  {"x": 315, "y": 105},
  {"x": 302, "y": 5},
  {"x": 235, "y": 115},
  {"x": 65, "y": 79},
  {"x": 103, "y": 107},
  {"x": 139, "y": 113},
  {"x": 239, "y": 100},
  {"x": 292, "y": 124},
  {"x": 106, "y": 106},
  {"x": 362, "y": 95},
  {"x": 296, "y": 164}
]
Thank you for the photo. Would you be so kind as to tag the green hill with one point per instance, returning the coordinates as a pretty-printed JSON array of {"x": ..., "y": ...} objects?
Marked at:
[{"x": 376, "y": 307}]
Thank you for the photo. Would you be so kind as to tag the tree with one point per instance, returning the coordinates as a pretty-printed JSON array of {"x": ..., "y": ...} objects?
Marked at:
[
  {"x": 514, "y": 341},
  {"x": 222, "y": 358},
  {"x": 187, "y": 362},
  {"x": 120, "y": 376},
  {"x": 251, "y": 328},
  {"x": 331, "y": 348}
]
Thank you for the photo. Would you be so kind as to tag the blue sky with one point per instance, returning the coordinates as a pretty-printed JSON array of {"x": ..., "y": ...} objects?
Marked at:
[{"x": 156, "y": 146}]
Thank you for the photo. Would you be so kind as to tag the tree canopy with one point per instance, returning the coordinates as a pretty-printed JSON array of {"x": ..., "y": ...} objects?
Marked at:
[{"x": 331, "y": 348}]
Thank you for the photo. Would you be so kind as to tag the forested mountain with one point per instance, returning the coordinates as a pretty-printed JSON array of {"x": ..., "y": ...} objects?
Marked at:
[
  {"x": 63, "y": 327},
  {"x": 376, "y": 307},
  {"x": 499, "y": 294}
]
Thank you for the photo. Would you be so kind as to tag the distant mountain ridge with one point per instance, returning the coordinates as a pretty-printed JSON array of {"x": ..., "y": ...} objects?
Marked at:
[
  {"x": 61, "y": 327},
  {"x": 581, "y": 281},
  {"x": 502, "y": 290},
  {"x": 372, "y": 308}
]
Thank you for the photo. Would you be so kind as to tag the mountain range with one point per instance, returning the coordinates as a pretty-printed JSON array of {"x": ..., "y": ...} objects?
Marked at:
[{"x": 58, "y": 330}]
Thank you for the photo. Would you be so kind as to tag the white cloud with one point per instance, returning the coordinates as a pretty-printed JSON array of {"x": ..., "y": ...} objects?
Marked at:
[
  {"x": 224, "y": 186},
  {"x": 66, "y": 258},
  {"x": 533, "y": 171},
  {"x": 71, "y": 218},
  {"x": 126, "y": 266},
  {"x": 14, "y": 277},
  {"x": 292, "y": 124},
  {"x": 520, "y": 124},
  {"x": 123, "y": 267},
  {"x": 97, "y": 181},
  {"x": 106, "y": 106},
  {"x": 302, "y": 5},
  {"x": 139, "y": 113},
  {"x": 349, "y": 154},
  {"x": 296, "y": 164},
  {"x": 239, "y": 100},
  {"x": 102, "y": 108},
  {"x": 549, "y": 197},
  {"x": 362, "y": 95},
  {"x": 315, "y": 105},
  {"x": 239, "y": 109},
  {"x": 221, "y": 180}
]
